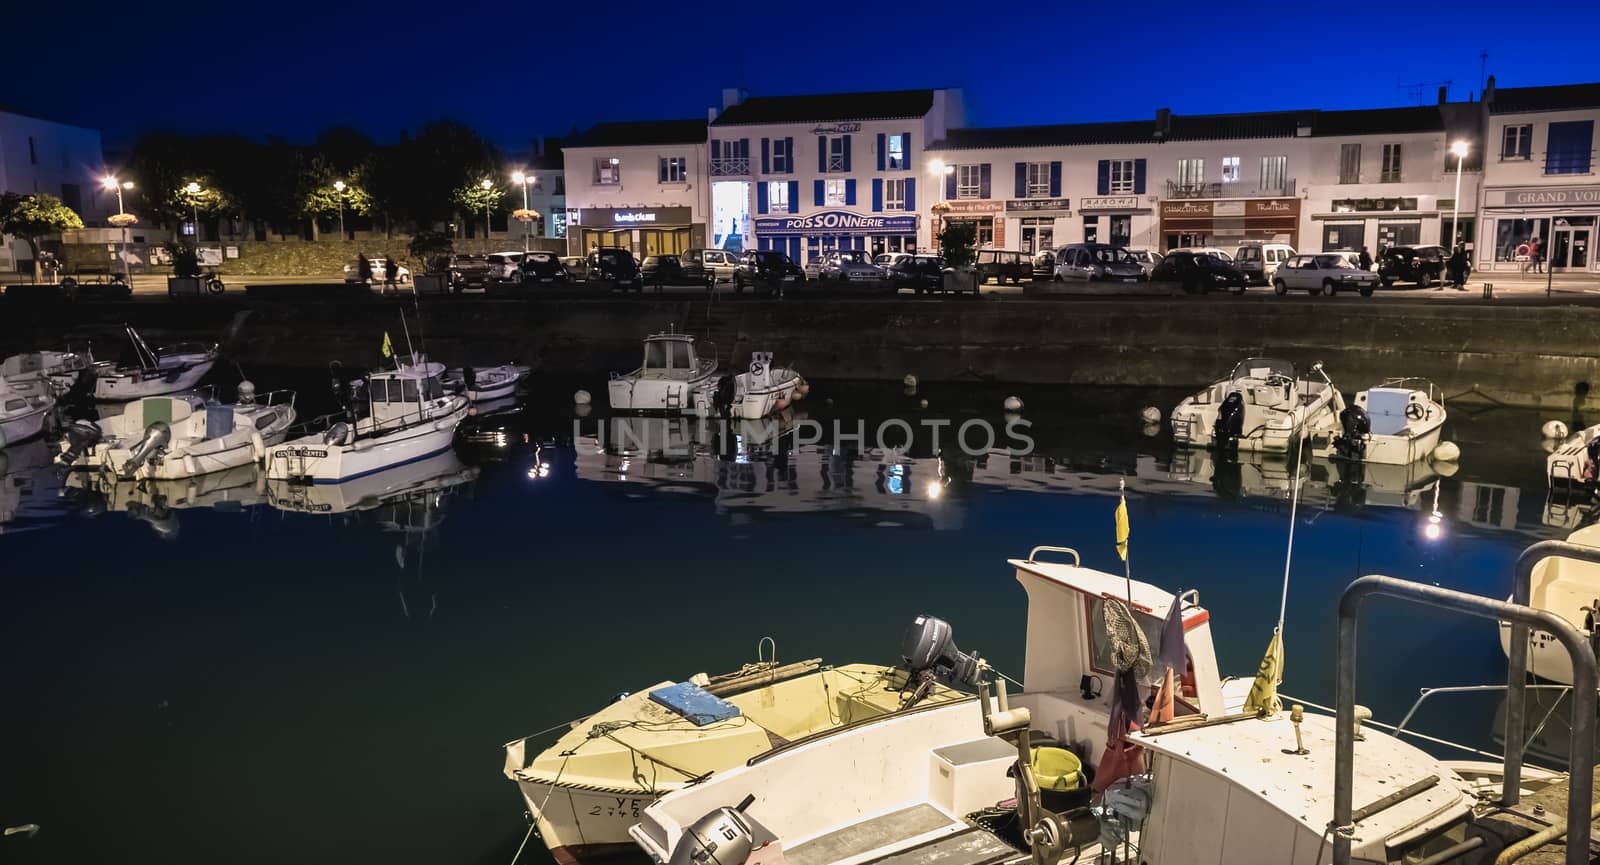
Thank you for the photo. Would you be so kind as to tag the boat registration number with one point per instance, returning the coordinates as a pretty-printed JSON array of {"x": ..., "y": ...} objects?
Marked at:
[
  {"x": 301, "y": 452},
  {"x": 619, "y": 807}
]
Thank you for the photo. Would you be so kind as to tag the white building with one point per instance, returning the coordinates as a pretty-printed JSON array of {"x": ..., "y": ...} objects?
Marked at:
[
  {"x": 42, "y": 156},
  {"x": 1539, "y": 177},
  {"x": 638, "y": 186}
]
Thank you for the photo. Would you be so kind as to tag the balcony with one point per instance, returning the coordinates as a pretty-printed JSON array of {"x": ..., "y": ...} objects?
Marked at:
[
  {"x": 1230, "y": 190},
  {"x": 733, "y": 166}
]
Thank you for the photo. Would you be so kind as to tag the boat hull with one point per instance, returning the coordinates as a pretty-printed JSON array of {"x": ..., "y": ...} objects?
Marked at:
[
  {"x": 25, "y": 425},
  {"x": 658, "y": 395},
  {"x": 1399, "y": 450},
  {"x": 582, "y": 825},
  {"x": 1568, "y": 464},
  {"x": 313, "y": 460},
  {"x": 124, "y": 386}
]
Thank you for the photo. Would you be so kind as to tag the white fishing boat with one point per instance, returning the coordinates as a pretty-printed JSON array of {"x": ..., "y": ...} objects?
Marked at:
[
  {"x": 402, "y": 416},
  {"x": 761, "y": 390},
  {"x": 1261, "y": 406},
  {"x": 1396, "y": 423},
  {"x": 1570, "y": 589},
  {"x": 61, "y": 368},
  {"x": 169, "y": 369},
  {"x": 1573, "y": 462},
  {"x": 671, "y": 378},
  {"x": 172, "y": 437},
  {"x": 438, "y": 473},
  {"x": 25, "y": 408},
  {"x": 484, "y": 383}
]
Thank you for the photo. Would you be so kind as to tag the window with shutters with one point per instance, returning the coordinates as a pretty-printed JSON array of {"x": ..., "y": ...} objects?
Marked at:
[
  {"x": 674, "y": 169},
  {"x": 608, "y": 171},
  {"x": 778, "y": 196},
  {"x": 782, "y": 159},
  {"x": 894, "y": 194},
  {"x": 969, "y": 181},
  {"x": 1350, "y": 163},
  {"x": 1121, "y": 176},
  {"x": 1038, "y": 176},
  {"x": 731, "y": 158},
  {"x": 1517, "y": 142},
  {"x": 894, "y": 157},
  {"x": 833, "y": 192},
  {"x": 836, "y": 153},
  {"x": 1230, "y": 169},
  {"x": 1391, "y": 164}
]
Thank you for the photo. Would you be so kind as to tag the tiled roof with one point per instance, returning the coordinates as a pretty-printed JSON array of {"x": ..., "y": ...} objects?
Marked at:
[
  {"x": 1125, "y": 132},
  {"x": 1210, "y": 127},
  {"x": 641, "y": 132},
  {"x": 1375, "y": 121},
  {"x": 823, "y": 107},
  {"x": 1512, "y": 100}
]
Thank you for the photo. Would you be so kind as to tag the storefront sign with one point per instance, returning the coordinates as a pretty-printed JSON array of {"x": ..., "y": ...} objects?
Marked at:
[
  {"x": 1186, "y": 209},
  {"x": 836, "y": 128},
  {"x": 630, "y": 217},
  {"x": 973, "y": 206},
  {"x": 1034, "y": 205},
  {"x": 1115, "y": 202},
  {"x": 1273, "y": 207},
  {"x": 836, "y": 222},
  {"x": 1227, "y": 208},
  {"x": 1542, "y": 196}
]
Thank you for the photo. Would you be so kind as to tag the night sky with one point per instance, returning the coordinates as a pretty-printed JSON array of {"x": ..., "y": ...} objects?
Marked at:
[{"x": 515, "y": 72}]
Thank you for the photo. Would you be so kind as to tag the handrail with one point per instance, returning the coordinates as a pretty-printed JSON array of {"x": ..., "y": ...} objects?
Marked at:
[
  {"x": 1077, "y": 561},
  {"x": 1425, "y": 693}
]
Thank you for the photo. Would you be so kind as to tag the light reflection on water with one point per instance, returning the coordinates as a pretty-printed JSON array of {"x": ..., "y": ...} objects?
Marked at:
[{"x": 346, "y": 660}]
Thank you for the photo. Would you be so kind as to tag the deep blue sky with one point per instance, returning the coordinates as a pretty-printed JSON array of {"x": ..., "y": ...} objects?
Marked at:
[{"x": 518, "y": 71}]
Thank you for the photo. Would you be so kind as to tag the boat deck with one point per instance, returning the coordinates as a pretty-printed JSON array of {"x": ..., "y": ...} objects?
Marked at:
[
  {"x": 965, "y": 845},
  {"x": 1554, "y": 801}
]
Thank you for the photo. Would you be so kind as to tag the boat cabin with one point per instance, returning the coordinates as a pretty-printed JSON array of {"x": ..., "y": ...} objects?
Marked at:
[
  {"x": 401, "y": 396},
  {"x": 669, "y": 356}
]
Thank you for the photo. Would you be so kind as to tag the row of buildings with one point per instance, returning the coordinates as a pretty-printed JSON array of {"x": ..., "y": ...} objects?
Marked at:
[{"x": 882, "y": 171}]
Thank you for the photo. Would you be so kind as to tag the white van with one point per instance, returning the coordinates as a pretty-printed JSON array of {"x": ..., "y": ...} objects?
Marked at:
[{"x": 1260, "y": 261}]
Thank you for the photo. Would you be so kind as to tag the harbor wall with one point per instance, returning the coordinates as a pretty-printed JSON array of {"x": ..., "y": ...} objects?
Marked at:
[{"x": 1537, "y": 356}]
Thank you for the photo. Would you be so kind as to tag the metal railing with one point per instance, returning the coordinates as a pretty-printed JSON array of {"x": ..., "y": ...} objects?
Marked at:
[
  {"x": 730, "y": 166},
  {"x": 1284, "y": 188}
]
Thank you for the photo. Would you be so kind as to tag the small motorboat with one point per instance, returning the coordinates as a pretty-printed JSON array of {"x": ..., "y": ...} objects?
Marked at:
[
  {"x": 591, "y": 784},
  {"x": 762, "y": 390},
  {"x": 484, "y": 383},
  {"x": 671, "y": 378},
  {"x": 1261, "y": 406},
  {"x": 1570, "y": 589},
  {"x": 25, "y": 408},
  {"x": 439, "y": 473},
  {"x": 399, "y": 416},
  {"x": 61, "y": 368},
  {"x": 169, "y": 369},
  {"x": 172, "y": 437},
  {"x": 1396, "y": 423},
  {"x": 1573, "y": 463}
]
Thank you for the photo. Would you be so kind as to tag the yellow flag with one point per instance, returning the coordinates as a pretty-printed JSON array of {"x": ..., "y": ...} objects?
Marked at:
[
  {"x": 1263, "y": 696},
  {"x": 388, "y": 347},
  {"x": 1122, "y": 528}
]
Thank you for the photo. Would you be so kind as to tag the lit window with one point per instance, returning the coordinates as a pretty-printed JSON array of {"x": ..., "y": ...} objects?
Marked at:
[
  {"x": 608, "y": 171},
  {"x": 1121, "y": 176},
  {"x": 969, "y": 181},
  {"x": 894, "y": 194},
  {"x": 1038, "y": 179},
  {"x": 895, "y": 159},
  {"x": 778, "y": 197},
  {"x": 833, "y": 192},
  {"x": 1230, "y": 169}
]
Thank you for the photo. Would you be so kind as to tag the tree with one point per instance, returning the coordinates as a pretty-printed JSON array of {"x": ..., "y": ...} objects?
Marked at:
[
  {"x": 475, "y": 198},
  {"x": 418, "y": 178},
  {"x": 325, "y": 199},
  {"x": 956, "y": 241},
  {"x": 30, "y": 217}
]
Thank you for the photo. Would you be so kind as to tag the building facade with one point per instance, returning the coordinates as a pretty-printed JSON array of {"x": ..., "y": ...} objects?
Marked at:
[
  {"x": 1539, "y": 181},
  {"x": 42, "y": 156},
  {"x": 638, "y": 186}
]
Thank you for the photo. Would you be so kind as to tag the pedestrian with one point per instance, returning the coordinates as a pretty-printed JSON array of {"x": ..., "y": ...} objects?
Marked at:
[
  {"x": 1536, "y": 255},
  {"x": 391, "y": 276},
  {"x": 1457, "y": 266},
  {"x": 363, "y": 268},
  {"x": 1366, "y": 259}
]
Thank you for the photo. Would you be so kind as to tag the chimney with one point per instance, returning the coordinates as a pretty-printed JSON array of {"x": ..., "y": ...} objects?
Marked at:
[
  {"x": 1303, "y": 126},
  {"x": 732, "y": 96},
  {"x": 1488, "y": 91},
  {"x": 711, "y": 114},
  {"x": 1163, "y": 122},
  {"x": 1443, "y": 94}
]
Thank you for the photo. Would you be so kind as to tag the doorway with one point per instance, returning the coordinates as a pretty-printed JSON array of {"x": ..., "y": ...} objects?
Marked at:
[
  {"x": 1038, "y": 235},
  {"x": 1569, "y": 243}
]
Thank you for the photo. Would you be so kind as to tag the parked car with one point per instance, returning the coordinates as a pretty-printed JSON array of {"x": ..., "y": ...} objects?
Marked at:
[
  {"x": 1260, "y": 260},
  {"x": 767, "y": 271},
  {"x": 577, "y": 267},
  {"x": 1097, "y": 262},
  {"x": 467, "y": 273},
  {"x": 1198, "y": 272},
  {"x": 1147, "y": 258},
  {"x": 1044, "y": 264},
  {"x": 709, "y": 265},
  {"x": 615, "y": 266},
  {"x": 1327, "y": 273},
  {"x": 380, "y": 272},
  {"x": 1419, "y": 264},
  {"x": 1350, "y": 256},
  {"x": 1214, "y": 252},
  {"x": 1003, "y": 264},
  {"x": 920, "y": 273},
  {"x": 847, "y": 268},
  {"x": 660, "y": 270},
  {"x": 505, "y": 265},
  {"x": 543, "y": 270}
]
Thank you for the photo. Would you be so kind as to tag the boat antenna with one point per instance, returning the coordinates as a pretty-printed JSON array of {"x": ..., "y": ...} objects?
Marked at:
[
  {"x": 410, "y": 352},
  {"x": 1294, "y": 506}
]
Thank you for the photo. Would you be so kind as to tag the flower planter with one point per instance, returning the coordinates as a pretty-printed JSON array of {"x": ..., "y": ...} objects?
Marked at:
[
  {"x": 431, "y": 283},
  {"x": 961, "y": 280}
]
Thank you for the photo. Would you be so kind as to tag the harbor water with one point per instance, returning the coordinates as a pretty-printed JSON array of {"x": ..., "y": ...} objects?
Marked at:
[{"x": 222, "y": 669}]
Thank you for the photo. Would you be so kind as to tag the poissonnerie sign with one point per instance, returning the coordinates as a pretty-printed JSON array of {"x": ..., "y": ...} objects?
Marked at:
[{"x": 836, "y": 222}]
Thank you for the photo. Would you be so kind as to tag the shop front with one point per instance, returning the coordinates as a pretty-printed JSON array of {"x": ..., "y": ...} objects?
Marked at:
[
  {"x": 1033, "y": 222},
  {"x": 1119, "y": 220},
  {"x": 805, "y": 237},
  {"x": 1375, "y": 224},
  {"x": 1226, "y": 223},
  {"x": 642, "y": 230},
  {"x": 1563, "y": 219},
  {"x": 987, "y": 218}
]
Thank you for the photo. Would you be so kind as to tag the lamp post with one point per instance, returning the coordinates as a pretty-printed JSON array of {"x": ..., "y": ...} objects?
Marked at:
[
  {"x": 1459, "y": 148},
  {"x": 111, "y": 183},
  {"x": 339, "y": 187},
  {"x": 523, "y": 180},
  {"x": 193, "y": 189},
  {"x": 486, "y": 185},
  {"x": 940, "y": 171}
]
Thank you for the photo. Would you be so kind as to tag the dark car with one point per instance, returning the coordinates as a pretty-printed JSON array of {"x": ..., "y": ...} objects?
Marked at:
[
  {"x": 1199, "y": 273},
  {"x": 1003, "y": 264},
  {"x": 468, "y": 272},
  {"x": 1044, "y": 264},
  {"x": 660, "y": 270},
  {"x": 920, "y": 273},
  {"x": 1419, "y": 264},
  {"x": 616, "y": 267},
  {"x": 537, "y": 270},
  {"x": 768, "y": 271}
]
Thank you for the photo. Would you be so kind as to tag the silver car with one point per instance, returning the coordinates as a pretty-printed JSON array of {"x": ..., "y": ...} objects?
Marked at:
[
  {"x": 1097, "y": 261},
  {"x": 846, "y": 267},
  {"x": 1328, "y": 273}
]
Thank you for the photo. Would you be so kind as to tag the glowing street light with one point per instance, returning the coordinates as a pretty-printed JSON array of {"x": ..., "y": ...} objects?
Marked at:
[
  {"x": 486, "y": 185},
  {"x": 523, "y": 179},
  {"x": 193, "y": 189},
  {"x": 111, "y": 184},
  {"x": 339, "y": 187}
]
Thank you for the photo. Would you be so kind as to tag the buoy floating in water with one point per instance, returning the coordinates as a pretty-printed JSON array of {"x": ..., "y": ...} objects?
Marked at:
[
  {"x": 1150, "y": 414},
  {"x": 923, "y": 404},
  {"x": 582, "y": 397},
  {"x": 1554, "y": 429},
  {"x": 909, "y": 381},
  {"x": 1447, "y": 451},
  {"x": 1013, "y": 403}
]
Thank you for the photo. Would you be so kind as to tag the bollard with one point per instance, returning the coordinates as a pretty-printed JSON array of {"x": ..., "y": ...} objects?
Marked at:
[{"x": 1488, "y": 291}]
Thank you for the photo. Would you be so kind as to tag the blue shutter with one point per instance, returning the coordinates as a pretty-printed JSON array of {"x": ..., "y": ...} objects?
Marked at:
[
  {"x": 983, "y": 181},
  {"x": 911, "y": 194},
  {"x": 794, "y": 196},
  {"x": 1138, "y": 177},
  {"x": 661, "y": 171},
  {"x": 950, "y": 186},
  {"x": 877, "y": 194},
  {"x": 766, "y": 157},
  {"x": 847, "y": 153},
  {"x": 1055, "y": 180},
  {"x": 788, "y": 155},
  {"x": 850, "y": 192},
  {"x": 883, "y": 150},
  {"x": 822, "y": 156},
  {"x": 744, "y": 148},
  {"x": 1022, "y": 180},
  {"x": 1102, "y": 178},
  {"x": 761, "y": 198},
  {"x": 905, "y": 149},
  {"x": 821, "y": 192}
]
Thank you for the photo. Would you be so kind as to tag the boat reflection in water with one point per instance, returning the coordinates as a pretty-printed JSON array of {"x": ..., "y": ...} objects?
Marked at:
[
  {"x": 30, "y": 488},
  {"x": 156, "y": 502}
]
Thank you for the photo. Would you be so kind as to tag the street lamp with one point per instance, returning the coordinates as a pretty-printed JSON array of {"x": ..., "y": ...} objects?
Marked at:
[
  {"x": 940, "y": 171},
  {"x": 486, "y": 185},
  {"x": 523, "y": 180},
  {"x": 193, "y": 189},
  {"x": 1459, "y": 148},
  {"x": 339, "y": 187},
  {"x": 112, "y": 184}
]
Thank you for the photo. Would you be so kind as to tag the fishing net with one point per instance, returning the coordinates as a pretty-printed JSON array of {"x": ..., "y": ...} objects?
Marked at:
[{"x": 1129, "y": 648}]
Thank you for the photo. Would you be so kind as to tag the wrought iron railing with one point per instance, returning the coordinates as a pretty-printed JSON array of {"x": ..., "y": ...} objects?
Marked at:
[
  {"x": 1176, "y": 189},
  {"x": 730, "y": 166}
]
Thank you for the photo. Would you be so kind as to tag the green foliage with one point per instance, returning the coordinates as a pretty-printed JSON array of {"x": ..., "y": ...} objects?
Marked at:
[
  {"x": 323, "y": 198},
  {"x": 956, "y": 242},
  {"x": 30, "y": 217},
  {"x": 474, "y": 198}
]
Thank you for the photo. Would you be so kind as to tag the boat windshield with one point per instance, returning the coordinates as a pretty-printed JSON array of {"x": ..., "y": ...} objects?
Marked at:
[
  {"x": 667, "y": 354},
  {"x": 1262, "y": 368}
]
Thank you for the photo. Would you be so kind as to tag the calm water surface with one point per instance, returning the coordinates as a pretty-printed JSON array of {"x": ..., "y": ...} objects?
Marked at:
[{"x": 223, "y": 669}]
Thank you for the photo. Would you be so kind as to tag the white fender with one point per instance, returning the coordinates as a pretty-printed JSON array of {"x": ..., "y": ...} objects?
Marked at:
[
  {"x": 189, "y": 465},
  {"x": 258, "y": 446}
]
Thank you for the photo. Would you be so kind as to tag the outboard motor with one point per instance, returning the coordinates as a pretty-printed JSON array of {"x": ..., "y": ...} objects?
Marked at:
[
  {"x": 469, "y": 378},
  {"x": 247, "y": 392},
  {"x": 1230, "y": 422},
  {"x": 81, "y": 435},
  {"x": 726, "y": 836},
  {"x": 1352, "y": 445},
  {"x": 338, "y": 434},
  {"x": 155, "y": 439},
  {"x": 930, "y": 654},
  {"x": 722, "y": 398}
]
